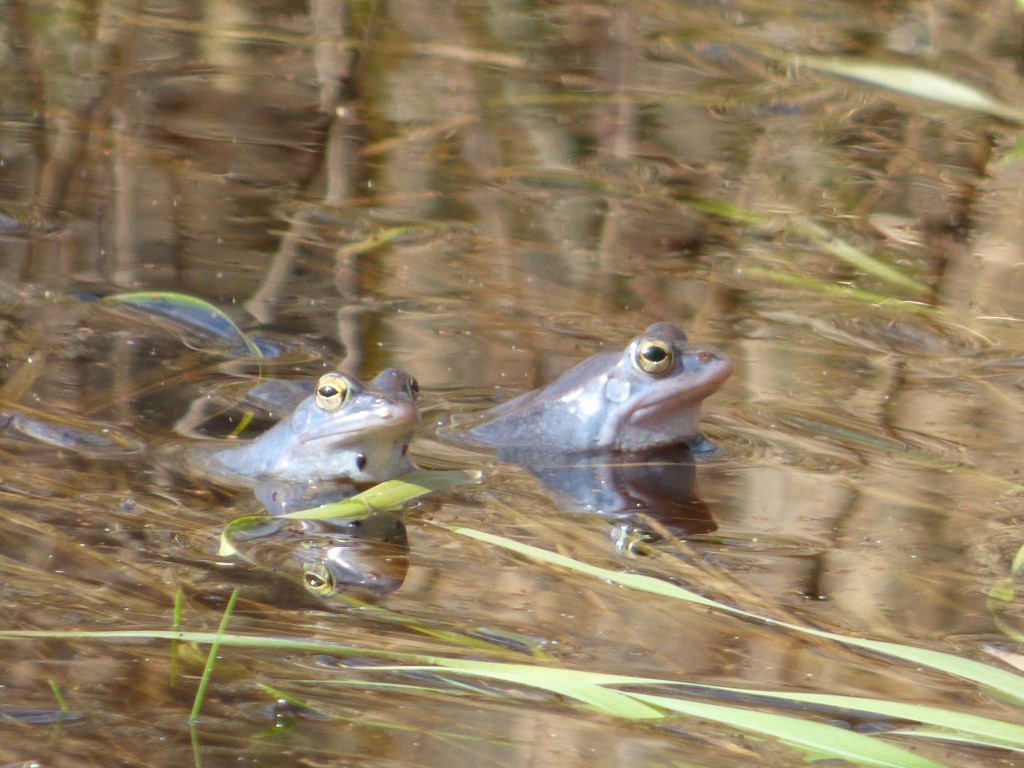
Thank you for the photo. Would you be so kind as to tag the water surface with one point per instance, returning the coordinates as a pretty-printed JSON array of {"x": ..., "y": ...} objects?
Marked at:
[{"x": 484, "y": 195}]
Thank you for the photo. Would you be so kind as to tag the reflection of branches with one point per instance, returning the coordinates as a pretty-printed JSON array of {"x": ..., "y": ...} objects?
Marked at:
[
  {"x": 340, "y": 147},
  {"x": 26, "y": 58},
  {"x": 88, "y": 122},
  {"x": 328, "y": 19},
  {"x": 620, "y": 69},
  {"x": 260, "y": 305},
  {"x": 124, "y": 173}
]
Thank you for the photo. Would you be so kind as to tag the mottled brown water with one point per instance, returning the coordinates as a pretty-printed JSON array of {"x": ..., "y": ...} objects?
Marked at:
[{"x": 483, "y": 195}]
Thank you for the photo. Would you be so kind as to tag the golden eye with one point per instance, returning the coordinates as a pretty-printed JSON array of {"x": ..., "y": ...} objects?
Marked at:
[
  {"x": 318, "y": 579},
  {"x": 332, "y": 391},
  {"x": 653, "y": 356}
]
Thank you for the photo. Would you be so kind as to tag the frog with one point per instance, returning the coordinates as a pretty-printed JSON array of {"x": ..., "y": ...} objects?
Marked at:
[
  {"x": 645, "y": 397},
  {"x": 344, "y": 430}
]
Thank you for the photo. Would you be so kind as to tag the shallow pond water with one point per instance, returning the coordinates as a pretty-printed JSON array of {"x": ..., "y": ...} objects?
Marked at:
[{"x": 484, "y": 195}]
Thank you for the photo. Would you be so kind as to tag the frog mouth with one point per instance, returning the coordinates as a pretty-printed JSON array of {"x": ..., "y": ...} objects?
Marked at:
[
  {"x": 679, "y": 406},
  {"x": 373, "y": 426}
]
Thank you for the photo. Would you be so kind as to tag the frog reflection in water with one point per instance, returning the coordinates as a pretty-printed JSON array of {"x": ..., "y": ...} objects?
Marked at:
[
  {"x": 344, "y": 434},
  {"x": 646, "y": 397},
  {"x": 372, "y": 559},
  {"x": 366, "y": 558},
  {"x": 345, "y": 430}
]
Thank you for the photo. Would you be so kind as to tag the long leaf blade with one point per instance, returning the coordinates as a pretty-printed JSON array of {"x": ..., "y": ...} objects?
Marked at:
[
  {"x": 1007, "y": 683},
  {"x": 914, "y": 81},
  {"x": 818, "y": 740}
]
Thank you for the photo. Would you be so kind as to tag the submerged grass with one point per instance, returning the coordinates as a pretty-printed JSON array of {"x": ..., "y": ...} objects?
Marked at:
[
  {"x": 852, "y": 255},
  {"x": 806, "y": 229},
  {"x": 828, "y": 288},
  {"x": 793, "y": 223}
]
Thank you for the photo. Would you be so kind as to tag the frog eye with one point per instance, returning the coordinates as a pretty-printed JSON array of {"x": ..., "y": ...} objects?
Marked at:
[
  {"x": 332, "y": 391},
  {"x": 318, "y": 579},
  {"x": 653, "y": 356},
  {"x": 413, "y": 387}
]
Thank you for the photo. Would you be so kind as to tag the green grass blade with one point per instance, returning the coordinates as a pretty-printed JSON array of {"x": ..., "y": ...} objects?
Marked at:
[
  {"x": 205, "y": 638},
  {"x": 1002, "y": 595},
  {"x": 212, "y": 658},
  {"x": 979, "y": 729},
  {"x": 293, "y": 701},
  {"x": 1008, "y": 684},
  {"x": 192, "y": 311},
  {"x": 197, "y": 752},
  {"x": 943, "y": 734},
  {"x": 584, "y": 687},
  {"x": 852, "y": 255},
  {"x": 726, "y": 210},
  {"x": 179, "y": 598},
  {"x": 390, "y": 494},
  {"x": 971, "y": 728},
  {"x": 59, "y": 697},
  {"x": 592, "y": 689},
  {"x": 1016, "y": 151},
  {"x": 817, "y": 740},
  {"x": 914, "y": 81},
  {"x": 843, "y": 291},
  {"x": 376, "y": 240},
  {"x": 378, "y": 613},
  {"x": 1017, "y": 566},
  {"x": 801, "y": 226},
  {"x": 251, "y": 526}
]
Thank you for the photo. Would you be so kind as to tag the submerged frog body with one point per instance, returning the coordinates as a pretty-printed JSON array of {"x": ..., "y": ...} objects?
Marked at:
[
  {"x": 344, "y": 431},
  {"x": 645, "y": 397},
  {"x": 659, "y": 484}
]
